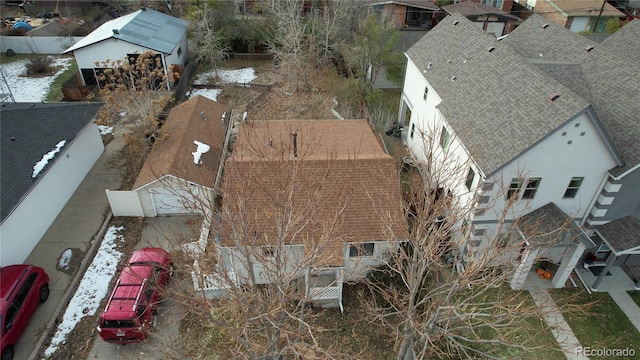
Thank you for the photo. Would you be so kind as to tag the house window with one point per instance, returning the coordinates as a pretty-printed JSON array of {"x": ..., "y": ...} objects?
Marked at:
[
  {"x": 426, "y": 91},
  {"x": 470, "y": 176},
  {"x": 514, "y": 188},
  {"x": 494, "y": 3},
  {"x": 573, "y": 187},
  {"x": 179, "y": 51},
  {"x": 445, "y": 140},
  {"x": 268, "y": 252},
  {"x": 413, "y": 130},
  {"x": 365, "y": 249},
  {"x": 532, "y": 187}
]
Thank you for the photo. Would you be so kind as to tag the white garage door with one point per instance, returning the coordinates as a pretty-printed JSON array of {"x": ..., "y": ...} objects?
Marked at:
[{"x": 169, "y": 202}]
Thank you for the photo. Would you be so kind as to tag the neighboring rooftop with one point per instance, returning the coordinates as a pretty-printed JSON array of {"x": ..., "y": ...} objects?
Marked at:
[
  {"x": 573, "y": 8},
  {"x": 28, "y": 131},
  {"x": 197, "y": 119},
  {"x": 420, "y": 4},
  {"x": 145, "y": 27},
  {"x": 340, "y": 186},
  {"x": 496, "y": 103},
  {"x": 472, "y": 8}
]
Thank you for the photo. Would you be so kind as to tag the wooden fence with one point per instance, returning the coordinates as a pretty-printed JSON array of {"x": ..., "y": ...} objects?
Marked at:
[
  {"x": 236, "y": 84},
  {"x": 73, "y": 90}
]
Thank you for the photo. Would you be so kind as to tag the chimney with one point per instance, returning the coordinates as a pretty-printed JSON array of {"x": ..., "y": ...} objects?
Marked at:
[{"x": 294, "y": 142}]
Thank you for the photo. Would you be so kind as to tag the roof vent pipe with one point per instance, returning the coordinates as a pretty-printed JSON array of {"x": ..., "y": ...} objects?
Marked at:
[
  {"x": 553, "y": 96},
  {"x": 294, "y": 143},
  {"x": 116, "y": 31}
]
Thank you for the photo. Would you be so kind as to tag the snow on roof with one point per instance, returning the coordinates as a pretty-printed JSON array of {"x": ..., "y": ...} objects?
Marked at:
[
  {"x": 202, "y": 148},
  {"x": 39, "y": 166},
  {"x": 149, "y": 28}
]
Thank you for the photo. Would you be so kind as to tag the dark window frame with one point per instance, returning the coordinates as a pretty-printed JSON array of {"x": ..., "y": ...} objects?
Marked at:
[
  {"x": 531, "y": 188},
  {"x": 471, "y": 175},
  {"x": 572, "y": 189},
  {"x": 366, "y": 249}
]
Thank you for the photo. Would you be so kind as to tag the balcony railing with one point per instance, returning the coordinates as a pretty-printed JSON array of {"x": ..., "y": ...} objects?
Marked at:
[{"x": 325, "y": 293}]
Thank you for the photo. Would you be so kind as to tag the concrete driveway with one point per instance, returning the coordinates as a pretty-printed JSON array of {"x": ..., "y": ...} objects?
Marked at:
[
  {"x": 168, "y": 233},
  {"x": 74, "y": 228}
]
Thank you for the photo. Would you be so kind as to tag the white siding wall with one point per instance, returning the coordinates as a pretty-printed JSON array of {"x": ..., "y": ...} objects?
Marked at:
[
  {"x": 356, "y": 268},
  {"x": 556, "y": 162},
  {"x": 203, "y": 199},
  {"x": 173, "y": 58},
  {"x": 110, "y": 49},
  {"x": 429, "y": 120},
  {"x": 19, "y": 233},
  {"x": 235, "y": 260}
]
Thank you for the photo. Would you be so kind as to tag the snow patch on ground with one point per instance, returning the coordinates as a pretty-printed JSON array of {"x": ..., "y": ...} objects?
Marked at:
[
  {"x": 92, "y": 289},
  {"x": 104, "y": 130},
  {"x": 244, "y": 75},
  {"x": 208, "y": 93},
  {"x": 65, "y": 259},
  {"x": 30, "y": 89}
]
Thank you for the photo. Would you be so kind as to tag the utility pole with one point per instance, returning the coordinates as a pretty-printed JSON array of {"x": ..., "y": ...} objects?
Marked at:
[{"x": 595, "y": 28}]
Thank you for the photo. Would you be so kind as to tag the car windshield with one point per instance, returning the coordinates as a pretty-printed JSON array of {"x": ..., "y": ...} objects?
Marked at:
[{"x": 118, "y": 324}]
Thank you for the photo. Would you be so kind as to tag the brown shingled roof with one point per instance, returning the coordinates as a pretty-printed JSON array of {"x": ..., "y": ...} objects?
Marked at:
[
  {"x": 342, "y": 187},
  {"x": 172, "y": 153}
]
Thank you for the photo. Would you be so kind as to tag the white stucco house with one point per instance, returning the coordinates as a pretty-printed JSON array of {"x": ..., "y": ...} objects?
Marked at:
[
  {"x": 184, "y": 166},
  {"x": 47, "y": 150},
  {"x": 534, "y": 118},
  {"x": 135, "y": 33},
  {"x": 310, "y": 203}
]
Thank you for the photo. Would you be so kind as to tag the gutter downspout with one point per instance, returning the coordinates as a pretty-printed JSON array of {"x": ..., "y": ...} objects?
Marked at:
[{"x": 225, "y": 151}]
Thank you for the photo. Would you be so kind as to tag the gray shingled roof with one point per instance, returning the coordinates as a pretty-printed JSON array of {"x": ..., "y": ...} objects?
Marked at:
[
  {"x": 27, "y": 132},
  {"x": 550, "y": 226},
  {"x": 625, "y": 42},
  {"x": 621, "y": 234},
  {"x": 148, "y": 28},
  {"x": 497, "y": 104},
  {"x": 609, "y": 76}
]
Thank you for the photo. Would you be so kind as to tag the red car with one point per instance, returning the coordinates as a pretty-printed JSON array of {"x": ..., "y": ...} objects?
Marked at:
[
  {"x": 22, "y": 288},
  {"x": 131, "y": 310}
]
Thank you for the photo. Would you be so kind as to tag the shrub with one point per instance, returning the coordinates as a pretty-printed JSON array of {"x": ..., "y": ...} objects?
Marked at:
[{"x": 40, "y": 65}]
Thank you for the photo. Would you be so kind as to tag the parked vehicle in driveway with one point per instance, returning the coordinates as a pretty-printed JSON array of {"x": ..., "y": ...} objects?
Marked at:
[
  {"x": 22, "y": 288},
  {"x": 132, "y": 309}
]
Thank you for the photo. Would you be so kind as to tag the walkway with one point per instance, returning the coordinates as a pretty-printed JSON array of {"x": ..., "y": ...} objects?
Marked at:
[
  {"x": 558, "y": 326},
  {"x": 627, "y": 305},
  {"x": 75, "y": 228}
]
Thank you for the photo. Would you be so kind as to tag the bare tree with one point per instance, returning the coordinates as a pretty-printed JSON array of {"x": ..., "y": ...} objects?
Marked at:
[
  {"x": 372, "y": 48},
  {"x": 288, "y": 40},
  {"x": 208, "y": 31},
  {"x": 134, "y": 94},
  {"x": 271, "y": 227},
  {"x": 444, "y": 299}
]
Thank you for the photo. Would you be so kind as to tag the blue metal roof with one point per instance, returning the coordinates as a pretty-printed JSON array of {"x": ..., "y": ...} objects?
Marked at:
[{"x": 148, "y": 28}]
